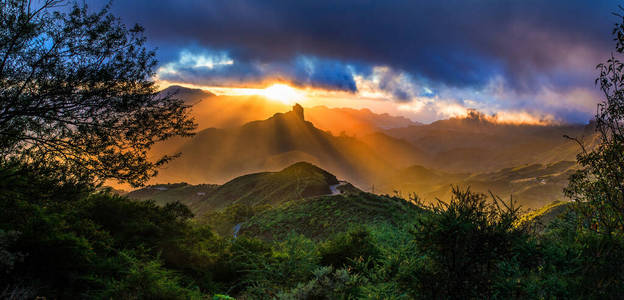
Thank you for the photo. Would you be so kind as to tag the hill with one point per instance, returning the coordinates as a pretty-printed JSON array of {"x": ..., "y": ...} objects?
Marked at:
[
  {"x": 320, "y": 217},
  {"x": 217, "y": 155},
  {"x": 298, "y": 181},
  {"x": 540, "y": 218},
  {"x": 192, "y": 196},
  {"x": 354, "y": 121},
  {"x": 532, "y": 185},
  {"x": 477, "y": 144}
]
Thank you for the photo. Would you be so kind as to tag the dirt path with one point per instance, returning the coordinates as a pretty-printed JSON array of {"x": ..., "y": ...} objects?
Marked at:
[
  {"x": 334, "y": 188},
  {"x": 237, "y": 228}
]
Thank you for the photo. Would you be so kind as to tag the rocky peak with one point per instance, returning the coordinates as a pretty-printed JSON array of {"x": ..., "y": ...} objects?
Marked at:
[{"x": 298, "y": 110}]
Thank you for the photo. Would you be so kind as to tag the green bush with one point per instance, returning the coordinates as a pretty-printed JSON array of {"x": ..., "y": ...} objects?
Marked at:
[
  {"x": 357, "y": 243},
  {"x": 146, "y": 280},
  {"x": 465, "y": 243}
]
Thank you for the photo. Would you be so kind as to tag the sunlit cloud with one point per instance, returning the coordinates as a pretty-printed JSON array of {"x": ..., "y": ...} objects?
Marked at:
[
  {"x": 207, "y": 59},
  {"x": 314, "y": 81}
]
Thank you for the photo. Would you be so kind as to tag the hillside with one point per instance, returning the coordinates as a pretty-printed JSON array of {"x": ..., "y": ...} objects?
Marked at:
[
  {"x": 217, "y": 155},
  {"x": 192, "y": 196},
  {"x": 320, "y": 217},
  {"x": 354, "y": 121},
  {"x": 476, "y": 144},
  {"x": 298, "y": 181},
  {"x": 532, "y": 185}
]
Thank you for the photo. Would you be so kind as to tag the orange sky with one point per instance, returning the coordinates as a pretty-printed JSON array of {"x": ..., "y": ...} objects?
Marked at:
[{"x": 366, "y": 97}]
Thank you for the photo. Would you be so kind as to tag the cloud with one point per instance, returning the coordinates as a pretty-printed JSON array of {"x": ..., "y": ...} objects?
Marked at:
[
  {"x": 218, "y": 68},
  {"x": 520, "y": 55}
]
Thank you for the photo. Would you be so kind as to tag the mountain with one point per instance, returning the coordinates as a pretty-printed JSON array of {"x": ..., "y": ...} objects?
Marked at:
[
  {"x": 216, "y": 155},
  {"x": 192, "y": 196},
  {"x": 373, "y": 151},
  {"x": 321, "y": 217},
  {"x": 297, "y": 181},
  {"x": 308, "y": 200},
  {"x": 220, "y": 111},
  {"x": 477, "y": 144},
  {"x": 532, "y": 185},
  {"x": 301, "y": 198},
  {"x": 354, "y": 121},
  {"x": 190, "y": 96}
]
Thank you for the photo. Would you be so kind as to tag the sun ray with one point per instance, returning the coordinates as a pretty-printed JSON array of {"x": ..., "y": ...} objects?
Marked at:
[{"x": 283, "y": 93}]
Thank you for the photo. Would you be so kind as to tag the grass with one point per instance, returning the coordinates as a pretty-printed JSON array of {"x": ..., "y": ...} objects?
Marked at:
[{"x": 320, "y": 217}]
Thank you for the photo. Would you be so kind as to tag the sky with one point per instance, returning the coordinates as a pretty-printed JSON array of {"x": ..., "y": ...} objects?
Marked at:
[{"x": 520, "y": 60}]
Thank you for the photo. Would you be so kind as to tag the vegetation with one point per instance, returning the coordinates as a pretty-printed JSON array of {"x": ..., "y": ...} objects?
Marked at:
[
  {"x": 62, "y": 237},
  {"x": 598, "y": 186},
  {"x": 76, "y": 94},
  {"x": 66, "y": 241}
]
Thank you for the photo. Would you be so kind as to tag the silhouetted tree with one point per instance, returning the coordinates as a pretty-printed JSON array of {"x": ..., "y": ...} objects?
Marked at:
[
  {"x": 76, "y": 93},
  {"x": 598, "y": 188}
]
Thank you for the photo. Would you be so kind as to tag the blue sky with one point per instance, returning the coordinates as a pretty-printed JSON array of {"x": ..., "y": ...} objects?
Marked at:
[{"x": 523, "y": 56}]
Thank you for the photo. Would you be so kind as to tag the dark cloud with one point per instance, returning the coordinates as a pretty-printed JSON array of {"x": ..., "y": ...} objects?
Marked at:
[
  {"x": 528, "y": 44},
  {"x": 458, "y": 43},
  {"x": 218, "y": 68}
]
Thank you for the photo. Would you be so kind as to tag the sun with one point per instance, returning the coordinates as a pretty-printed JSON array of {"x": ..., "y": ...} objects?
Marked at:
[{"x": 282, "y": 93}]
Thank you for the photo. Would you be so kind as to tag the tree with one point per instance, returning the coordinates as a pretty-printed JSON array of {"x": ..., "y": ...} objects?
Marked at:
[
  {"x": 467, "y": 242},
  {"x": 76, "y": 93},
  {"x": 598, "y": 187}
]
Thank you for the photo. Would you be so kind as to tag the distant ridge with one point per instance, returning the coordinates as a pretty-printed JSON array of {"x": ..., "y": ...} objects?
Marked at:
[
  {"x": 272, "y": 144},
  {"x": 221, "y": 111},
  {"x": 190, "y": 96}
]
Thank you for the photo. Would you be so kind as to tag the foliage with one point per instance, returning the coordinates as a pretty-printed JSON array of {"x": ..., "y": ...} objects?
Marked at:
[
  {"x": 321, "y": 217},
  {"x": 76, "y": 93},
  {"x": 146, "y": 280},
  {"x": 326, "y": 284},
  {"x": 464, "y": 242},
  {"x": 357, "y": 243},
  {"x": 598, "y": 187}
]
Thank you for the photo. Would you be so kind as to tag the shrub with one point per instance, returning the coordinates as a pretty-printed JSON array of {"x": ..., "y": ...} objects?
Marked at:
[{"x": 345, "y": 247}]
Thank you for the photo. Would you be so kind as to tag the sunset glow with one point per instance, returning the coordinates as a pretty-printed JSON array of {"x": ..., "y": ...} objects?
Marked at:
[{"x": 282, "y": 93}]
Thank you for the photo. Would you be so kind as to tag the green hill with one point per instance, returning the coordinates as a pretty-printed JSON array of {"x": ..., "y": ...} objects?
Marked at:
[
  {"x": 297, "y": 181},
  {"x": 320, "y": 217},
  {"x": 543, "y": 216}
]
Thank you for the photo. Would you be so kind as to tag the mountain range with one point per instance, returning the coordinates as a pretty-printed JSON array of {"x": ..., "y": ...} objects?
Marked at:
[{"x": 375, "y": 152}]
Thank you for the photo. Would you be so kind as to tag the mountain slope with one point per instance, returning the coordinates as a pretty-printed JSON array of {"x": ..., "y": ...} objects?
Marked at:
[
  {"x": 320, "y": 217},
  {"x": 298, "y": 181},
  {"x": 215, "y": 155},
  {"x": 532, "y": 185},
  {"x": 354, "y": 121},
  {"x": 476, "y": 144},
  {"x": 221, "y": 111}
]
